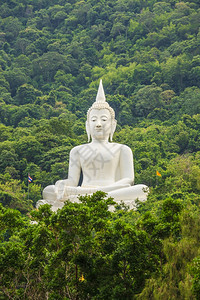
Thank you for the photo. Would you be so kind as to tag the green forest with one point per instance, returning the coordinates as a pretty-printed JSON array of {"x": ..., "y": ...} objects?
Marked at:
[{"x": 52, "y": 56}]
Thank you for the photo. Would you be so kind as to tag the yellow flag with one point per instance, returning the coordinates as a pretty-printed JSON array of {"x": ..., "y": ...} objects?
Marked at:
[
  {"x": 81, "y": 278},
  {"x": 158, "y": 174}
]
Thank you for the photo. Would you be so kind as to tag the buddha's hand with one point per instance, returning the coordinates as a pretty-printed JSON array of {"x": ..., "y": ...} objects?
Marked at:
[{"x": 114, "y": 187}]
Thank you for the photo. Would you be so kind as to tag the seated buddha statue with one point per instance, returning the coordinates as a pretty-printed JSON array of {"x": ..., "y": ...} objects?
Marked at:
[{"x": 106, "y": 166}]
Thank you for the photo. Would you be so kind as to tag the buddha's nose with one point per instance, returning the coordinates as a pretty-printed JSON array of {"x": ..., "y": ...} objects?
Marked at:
[{"x": 98, "y": 125}]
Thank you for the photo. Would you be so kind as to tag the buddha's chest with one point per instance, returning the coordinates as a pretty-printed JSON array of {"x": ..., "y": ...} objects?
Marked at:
[{"x": 100, "y": 158}]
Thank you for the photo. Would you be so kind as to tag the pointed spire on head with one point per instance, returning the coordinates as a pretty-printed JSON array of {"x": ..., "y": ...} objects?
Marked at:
[
  {"x": 100, "y": 94},
  {"x": 100, "y": 102}
]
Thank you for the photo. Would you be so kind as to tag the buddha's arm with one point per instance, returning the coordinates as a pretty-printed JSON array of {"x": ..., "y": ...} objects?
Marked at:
[
  {"x": 126, "y": 166},
  {"x": 126, "y": 171},
  {"x": 73, "y": 173}
]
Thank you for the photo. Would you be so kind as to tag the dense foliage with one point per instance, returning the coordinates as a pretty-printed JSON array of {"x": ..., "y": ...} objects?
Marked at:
[{"x": 52, "y": 55}]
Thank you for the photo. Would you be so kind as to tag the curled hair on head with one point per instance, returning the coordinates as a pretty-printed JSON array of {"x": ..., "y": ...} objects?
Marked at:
[{"x": 101, "y": 105}]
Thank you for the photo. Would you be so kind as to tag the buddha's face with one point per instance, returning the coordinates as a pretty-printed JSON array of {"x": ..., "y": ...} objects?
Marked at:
[{"x": 100, "y": 124}]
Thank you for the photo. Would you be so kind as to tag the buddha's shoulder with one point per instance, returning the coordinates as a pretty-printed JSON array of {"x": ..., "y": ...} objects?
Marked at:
[
  {"x": 121, "y": 146},
  {"x": 79, "y": 148}
]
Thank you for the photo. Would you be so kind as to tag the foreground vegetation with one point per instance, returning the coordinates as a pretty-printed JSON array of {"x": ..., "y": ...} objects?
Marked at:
[
  {"x": 86, "y": 252},
  {"x": 52, "y": 55}
]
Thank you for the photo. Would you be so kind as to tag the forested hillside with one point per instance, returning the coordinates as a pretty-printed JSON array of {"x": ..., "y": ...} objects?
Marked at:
[{"x": 52, "y": 56}]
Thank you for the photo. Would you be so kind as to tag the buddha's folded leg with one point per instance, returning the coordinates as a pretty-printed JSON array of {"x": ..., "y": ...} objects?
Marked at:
[{"x": 139, "y": 191}]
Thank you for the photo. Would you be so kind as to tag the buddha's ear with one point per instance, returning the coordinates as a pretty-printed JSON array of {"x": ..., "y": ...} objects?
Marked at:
[
  {"x": 113, "y": 127},
  {"x": 87, "y": 130}
]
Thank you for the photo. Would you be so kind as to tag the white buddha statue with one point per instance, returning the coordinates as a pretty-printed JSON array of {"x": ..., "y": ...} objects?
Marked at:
[{"x": 105, "y": 166}]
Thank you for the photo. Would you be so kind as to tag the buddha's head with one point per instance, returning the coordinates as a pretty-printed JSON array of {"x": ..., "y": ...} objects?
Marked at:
[{"x": 101, "y": 123}]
